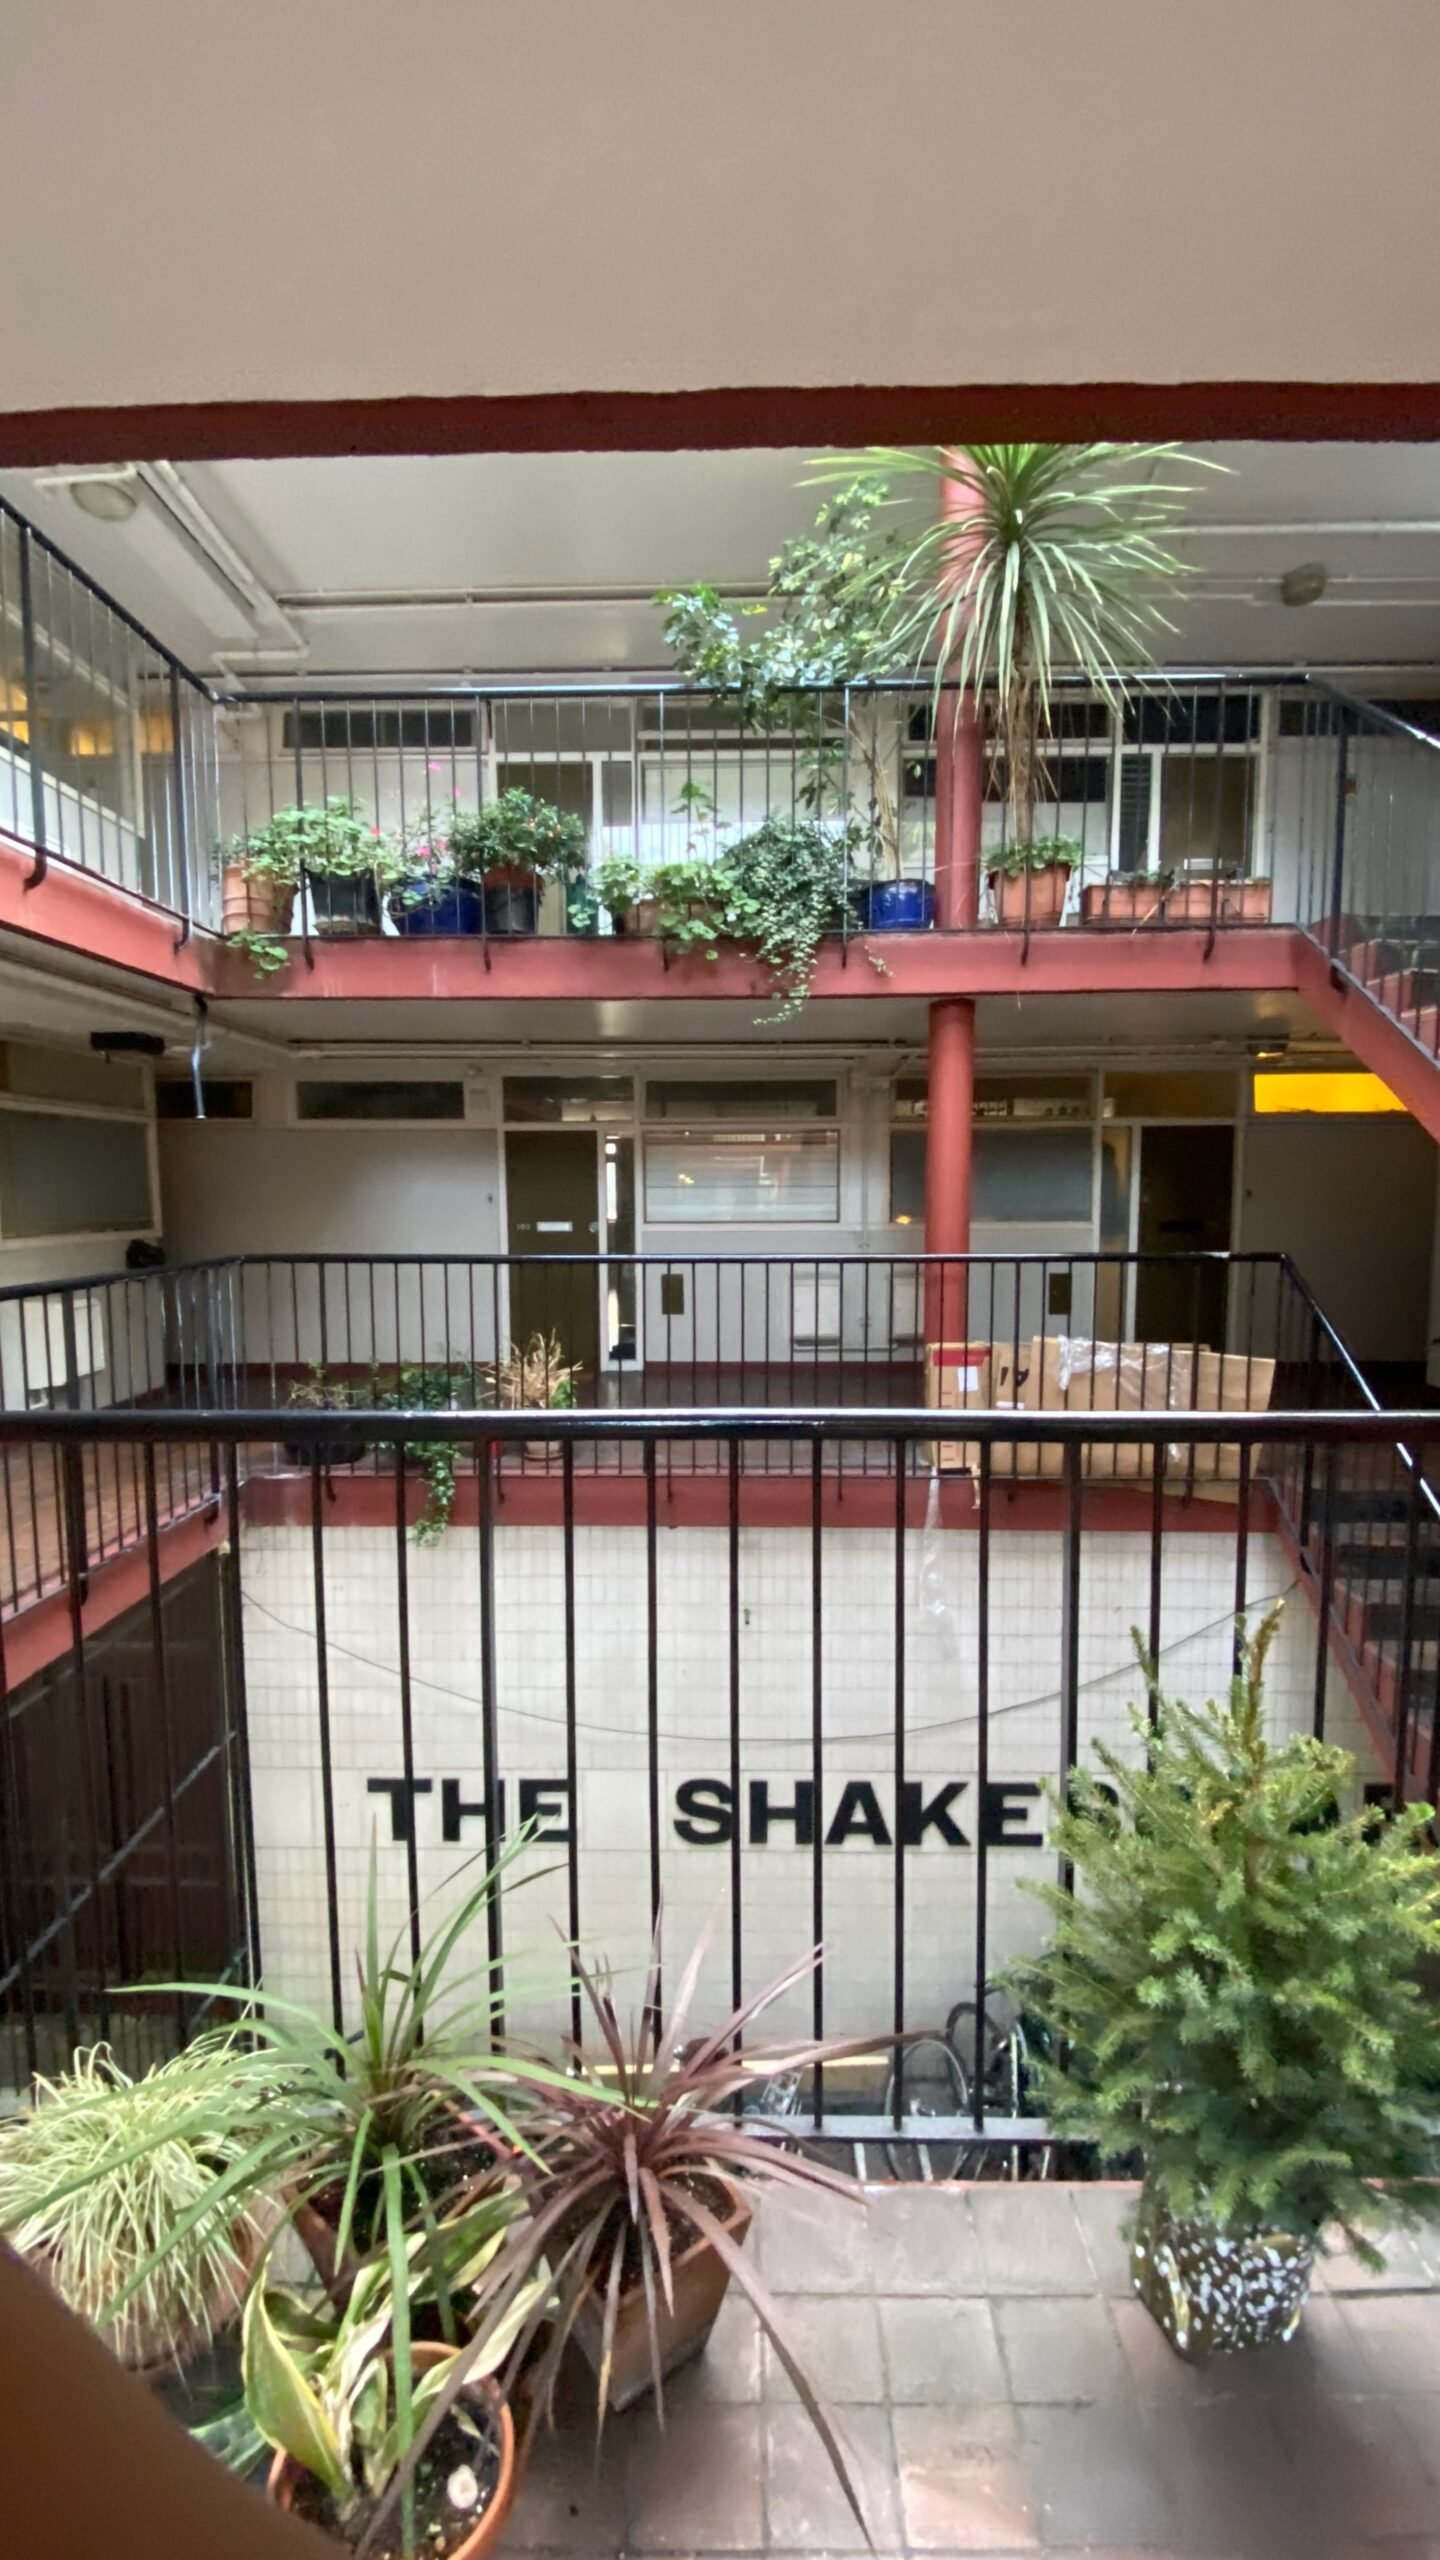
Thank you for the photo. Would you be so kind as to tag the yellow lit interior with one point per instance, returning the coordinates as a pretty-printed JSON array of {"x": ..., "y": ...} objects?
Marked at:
[{"x": 1347, "y": 1090}]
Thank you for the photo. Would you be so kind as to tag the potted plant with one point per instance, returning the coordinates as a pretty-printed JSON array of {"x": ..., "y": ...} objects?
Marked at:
[
  {"x": 787, "y": 884},
  {"x": 638, "y": 2203},
  {"x": 258, "y": 873},
  {"x": 1125, "y": 897},
  {"x": 322, "y": 1391},
  {"x": 830, "y": 637},
  {"x": 340, "y": 2394},
  {"x": 1029, "y": 882},
  {"x": 327, "y": 848},
  {"x": 619, "y": 887},
  {"x": 1218, "y": 896},
  {"x": 142, "y": 2214},
  {"x": 1235, "y": 1979},
  {"x": 406, "y": 2120},
  {"x": 436, "y": 893},
  {"x": 445, "y": 1386},
  {"x": 534, "y": 1379},
  {"x": 514, "y": 844}
]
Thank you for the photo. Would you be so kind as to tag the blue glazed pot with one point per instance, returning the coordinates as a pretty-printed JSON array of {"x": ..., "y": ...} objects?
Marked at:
[
  {"x": 458, "y": 909},
  {"x": 896, "y": 906}
]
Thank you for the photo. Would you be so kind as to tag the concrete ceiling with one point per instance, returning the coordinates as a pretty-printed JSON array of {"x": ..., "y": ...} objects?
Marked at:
[
  {"x": 444, "y": 567},
  {"x": 331, "y": 202}
]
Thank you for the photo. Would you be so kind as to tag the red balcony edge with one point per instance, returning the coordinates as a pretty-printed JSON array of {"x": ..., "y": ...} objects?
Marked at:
[
  {"x": 1369, "y": 1032},
  {"x": 74, "y": 910},
  {"x": 1168, "y": 961},
  {"x": 40, "y": 1631}
]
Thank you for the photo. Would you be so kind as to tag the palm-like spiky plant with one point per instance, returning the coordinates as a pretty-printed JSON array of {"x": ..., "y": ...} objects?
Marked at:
[
  {"x": 1043, "y": 556},
  {"x": 626, "y": 2173}
]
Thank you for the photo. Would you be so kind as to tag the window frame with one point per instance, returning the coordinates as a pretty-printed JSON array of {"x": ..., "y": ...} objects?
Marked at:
[{"x": 141, "y": 1116}]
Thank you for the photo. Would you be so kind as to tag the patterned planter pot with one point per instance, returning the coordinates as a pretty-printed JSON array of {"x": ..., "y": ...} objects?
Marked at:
[{"x": 1215, "y": 2292}]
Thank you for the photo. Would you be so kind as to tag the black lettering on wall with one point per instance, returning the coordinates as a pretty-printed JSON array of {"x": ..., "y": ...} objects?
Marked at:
[
  {"x": 456, "y": 1810},
  {"x": 1005, "y": 1803},
  {"x": 402, "y": 1793},
  {"x": 704, "y": 1813},
  {"x": 800, "y": 1811},
  {"x": 917, "y": 1817},
  {"x": 546, "y": 1803},
  {"x": 858, "y": 1816}
]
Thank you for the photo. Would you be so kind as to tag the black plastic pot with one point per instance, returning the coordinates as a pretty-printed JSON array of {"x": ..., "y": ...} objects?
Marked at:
[
  {"x": 512, "y": 902},
  {"x": 331, "y": 1453},
  {"x": 343, "y": 907}
]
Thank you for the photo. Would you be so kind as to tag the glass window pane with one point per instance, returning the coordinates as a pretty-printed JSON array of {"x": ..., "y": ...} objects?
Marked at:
[
  {"x": 907, "y": 1177},
  {"x": 1033, "y": 1180},
  {"x": 226, "y": 1098},
  {"x": 60, "y": 1176},
  {"x": 792, "y": 1099},
  {"x": 547, "y": 1100},
  {"x": 1204, "y": 809},
  {"x": 1212, "y": 1094},
  {"x": 380, "y": 1101},
  {"x": 743, "y": 1178},
  {"x": 71, "y": 1075}
]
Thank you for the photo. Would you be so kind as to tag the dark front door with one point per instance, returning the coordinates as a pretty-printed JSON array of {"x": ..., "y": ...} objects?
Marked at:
[
  {"x": 1186, "y": 1172},
  {"x": 553, "y": 1189}
]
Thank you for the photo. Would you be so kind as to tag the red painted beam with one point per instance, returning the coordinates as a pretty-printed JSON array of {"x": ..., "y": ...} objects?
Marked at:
[
  {"x": 567, "y": 968},
  {"x": 40, "y": 1635},
  {"x": 1366, "y": 1029},
  {"x": 722, "y": 414},
  {"x": 73, "y": 910},
  {"x": 533, "y": 1499}
]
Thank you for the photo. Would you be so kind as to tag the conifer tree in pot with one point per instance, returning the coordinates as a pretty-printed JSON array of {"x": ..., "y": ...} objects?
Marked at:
[{"x": 1234, "y": 1982}]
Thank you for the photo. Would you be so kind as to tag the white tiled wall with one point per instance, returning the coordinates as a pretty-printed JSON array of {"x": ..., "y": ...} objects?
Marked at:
[{"x": 775, "y": 1686}]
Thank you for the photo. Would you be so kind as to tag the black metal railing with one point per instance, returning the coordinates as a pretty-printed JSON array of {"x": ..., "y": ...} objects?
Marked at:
[
  {"x": 109, "y": 750},
  {"x": 608, "y": 1334},
  {"x": 1360, "y": 783},
  {"x": 876, "y": 1710}
]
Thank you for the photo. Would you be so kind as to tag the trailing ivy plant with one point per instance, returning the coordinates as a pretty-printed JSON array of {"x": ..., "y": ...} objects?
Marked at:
[
  {"x": 784, "y": 887},
  {"x": 430, "y": 1387}
]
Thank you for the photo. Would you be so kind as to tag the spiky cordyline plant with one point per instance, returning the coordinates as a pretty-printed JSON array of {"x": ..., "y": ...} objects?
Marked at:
[
  {"x": 1046, "y": 555},
  {"x": 122, "y": 2191},
  {"x": 628, "y": 2172}
]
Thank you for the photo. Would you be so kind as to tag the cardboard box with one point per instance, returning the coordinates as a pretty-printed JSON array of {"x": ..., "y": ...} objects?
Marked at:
[
  {"x": 957, "y": 1375},
  {"x": 1225, "y": 1382},
  {"x": 1075, "y": 1375}
]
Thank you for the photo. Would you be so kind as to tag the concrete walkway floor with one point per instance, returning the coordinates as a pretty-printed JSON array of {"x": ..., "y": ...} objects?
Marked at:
[{"x": 1004, "y": 2393}]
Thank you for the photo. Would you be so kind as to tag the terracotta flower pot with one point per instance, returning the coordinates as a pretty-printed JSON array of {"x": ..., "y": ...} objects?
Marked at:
[
  {"x": 639, "y": 919},
  {"x": 484, "y": 2396},
  {"x": 1033, "y": 898},
  {"x": 1122, "y": 901},
  {"x": 1214, "y": 2292},
  {"x": 253, "y": 903},
  {"x": 1224, "y": 901},
  {"x": 701, "y": 2278}
]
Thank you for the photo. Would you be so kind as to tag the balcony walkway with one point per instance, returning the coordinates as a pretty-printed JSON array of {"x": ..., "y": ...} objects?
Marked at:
[{"x": 1004, "y": 2393}]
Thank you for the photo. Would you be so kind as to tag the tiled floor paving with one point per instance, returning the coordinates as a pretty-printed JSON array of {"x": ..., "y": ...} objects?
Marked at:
[{"x": 1002, "y": 2393}]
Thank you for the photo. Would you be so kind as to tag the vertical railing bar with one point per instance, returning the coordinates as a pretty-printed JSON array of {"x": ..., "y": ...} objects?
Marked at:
[
  {"x": 982, "y": 1778},
  {"x": 167, "y": 1749},
  {"x": 572, "y": 1762},
  {"x": 737, "y": 1972},
  {"x": 234, "y": 1590},
  {"x": 489, "y": 1722},
  {"x": 327, "y": 1773},
  {"x": 1326, "y": 1592},
  {"x": 817, "y": 1761},
  {"x": 899, "y": 1456},
  {"x": 652, "y": 1718},
  {"x": 1070, "y": 1638},
  {"x": 407, "y": 1722},
  {"x": 10, "y": 1862}
]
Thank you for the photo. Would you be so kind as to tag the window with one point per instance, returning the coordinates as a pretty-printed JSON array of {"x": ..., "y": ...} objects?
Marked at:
[
  {"x": 907, "y": 1177},
  {"x": 799, "y": 1099},
  {"x": 1212, "y": 1094},
  {"x": 1039, "y": 1178},
  {"x": 742, "y": 1177},
  {"x": 1005, "y": 1097},
  {"x": 567, "y": 1101},
  {"x": 377, "y": 1100},
  {"x": 70, "y": 1075},
  {"x": 63, "y": 1174},
  {"x": 343, "y": 727},
  {"x": 226, "y": 1098}
]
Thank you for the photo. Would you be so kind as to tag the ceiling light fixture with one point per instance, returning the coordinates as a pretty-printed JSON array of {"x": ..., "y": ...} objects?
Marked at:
[
  {"x": 1306, "y": 584},
  {"x": 110, "y": 497}
]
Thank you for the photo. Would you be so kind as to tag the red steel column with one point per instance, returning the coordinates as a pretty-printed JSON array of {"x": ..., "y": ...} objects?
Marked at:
[{"x": 948, "y": 1126}]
